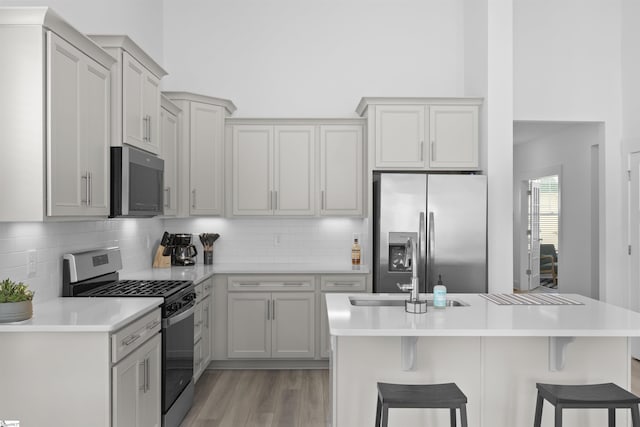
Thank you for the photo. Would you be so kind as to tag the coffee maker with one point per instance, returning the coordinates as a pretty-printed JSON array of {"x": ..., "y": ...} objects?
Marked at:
[{"x": 182, "y": 251}]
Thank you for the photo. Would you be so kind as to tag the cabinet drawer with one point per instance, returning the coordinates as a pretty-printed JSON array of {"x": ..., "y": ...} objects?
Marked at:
[
  {"x": 271, "y": 283},
  {"x": 127, "y": 339},
  {"x": 343, "y": 283}
]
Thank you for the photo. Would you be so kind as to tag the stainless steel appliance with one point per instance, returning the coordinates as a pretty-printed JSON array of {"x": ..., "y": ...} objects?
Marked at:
[
  {"x": 446, "y": 214},
  {"x": 137, "y": 183},
  {"x": 95, "y": 274},
  {"x": 182, "y": 251}
]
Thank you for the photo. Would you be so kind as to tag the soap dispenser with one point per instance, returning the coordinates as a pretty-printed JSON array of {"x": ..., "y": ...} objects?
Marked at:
[{"x": 440, "y": 294}]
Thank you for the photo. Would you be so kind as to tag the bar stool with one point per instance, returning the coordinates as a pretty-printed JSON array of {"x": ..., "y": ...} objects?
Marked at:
[
  {"x": 609, "y": 396},
  {"x": 420, "y": 396}
]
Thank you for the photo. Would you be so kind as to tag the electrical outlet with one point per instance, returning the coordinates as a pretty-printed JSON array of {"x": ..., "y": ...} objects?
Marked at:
[
  {"x": 276, "y": 240},
  {"x": 32, "y": 263}
]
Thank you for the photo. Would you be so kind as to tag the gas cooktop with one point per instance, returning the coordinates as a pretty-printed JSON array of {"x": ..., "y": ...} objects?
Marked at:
[{"x": 143, "y": 288}]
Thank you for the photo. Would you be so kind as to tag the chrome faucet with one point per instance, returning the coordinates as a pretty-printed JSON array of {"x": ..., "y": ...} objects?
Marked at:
[{"x": 413, "y": 304}]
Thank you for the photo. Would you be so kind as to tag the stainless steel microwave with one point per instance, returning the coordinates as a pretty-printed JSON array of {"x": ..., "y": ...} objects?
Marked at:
[{"x": 137, "y": 183}]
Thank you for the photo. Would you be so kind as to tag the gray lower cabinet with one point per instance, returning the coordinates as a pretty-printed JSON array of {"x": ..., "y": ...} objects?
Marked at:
[
  {"x": 202, "y": 328},
  {"x": 271, "y": 317},
  {"x": 332, "y": 284}
]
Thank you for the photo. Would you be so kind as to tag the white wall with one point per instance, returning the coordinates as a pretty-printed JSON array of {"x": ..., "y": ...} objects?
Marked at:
[
  {"x": 570, "y": 152},
  {"x": 139, "y": 19},
  {"x": 631, "y": 70},
  {"x": 567, "y": 67},
  {"x": 313, "y": 58}
]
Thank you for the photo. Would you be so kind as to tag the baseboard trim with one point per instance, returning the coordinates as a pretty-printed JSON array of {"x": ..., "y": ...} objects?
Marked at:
[{"x": 269, "y": 364}]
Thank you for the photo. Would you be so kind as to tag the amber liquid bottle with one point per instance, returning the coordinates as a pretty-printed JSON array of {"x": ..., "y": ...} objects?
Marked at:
[{"x": 355, "y": 252}]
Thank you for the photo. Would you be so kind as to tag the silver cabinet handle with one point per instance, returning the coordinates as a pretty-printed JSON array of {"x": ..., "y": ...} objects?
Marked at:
[
  {"x": 130, "y": 339},
  {"x": 147, "y": 375},
  {"x": 343, "y": 283},
  {"x": 193, "y": 198},
  {"x": 268, "y": 310},
  {"x": 322, "y": 199},
  {"x": 270, "y": 200},
  {"x": 152, "y": 324},
  {"x": 143, "y": 384},
  {"x": 421, "y": 151},
  {"x": 167, "y": 201},
  {"x": 206, "y": 317},
  {"x": 144, "y": 128},
  {"x": 276, "y": 208},
  {"x": 85, "y": 178},
  {"x": 90, "y": 201},
  {"x": 433, "y": 151},
  {"x": 273, "y": 317},
  {"x": 149, "y": 126}
]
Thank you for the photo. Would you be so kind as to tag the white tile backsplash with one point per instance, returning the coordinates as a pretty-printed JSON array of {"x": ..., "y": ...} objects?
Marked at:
[{"x": 315, "y": 240}]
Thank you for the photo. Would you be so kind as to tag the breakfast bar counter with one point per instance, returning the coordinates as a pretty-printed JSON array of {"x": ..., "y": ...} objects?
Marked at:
[{"x": 494, "y": 353}]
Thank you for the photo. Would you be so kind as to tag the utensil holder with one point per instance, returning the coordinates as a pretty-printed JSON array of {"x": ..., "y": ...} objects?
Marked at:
[{"x": 208, "y": 257}]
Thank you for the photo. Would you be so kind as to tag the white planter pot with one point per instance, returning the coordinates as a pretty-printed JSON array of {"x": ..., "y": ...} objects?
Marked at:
[{"x": 15, "y": 311}]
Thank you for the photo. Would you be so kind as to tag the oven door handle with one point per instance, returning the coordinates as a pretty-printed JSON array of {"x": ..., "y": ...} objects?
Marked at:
[{"x": 179, "y": 318}]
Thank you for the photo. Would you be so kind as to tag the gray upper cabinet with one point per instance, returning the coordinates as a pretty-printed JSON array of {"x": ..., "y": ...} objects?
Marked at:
[
  {"x": 422, "y": 133},
  {"x": 55, "y": 114},
  {"x": 135, "y": 94}
]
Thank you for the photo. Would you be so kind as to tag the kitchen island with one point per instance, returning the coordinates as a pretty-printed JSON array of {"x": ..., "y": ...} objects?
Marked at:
[{"x": 494, "y": 353}]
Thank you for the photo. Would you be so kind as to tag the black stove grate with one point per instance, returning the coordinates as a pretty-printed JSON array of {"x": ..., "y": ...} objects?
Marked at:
[{"x": 145, "y": 288}]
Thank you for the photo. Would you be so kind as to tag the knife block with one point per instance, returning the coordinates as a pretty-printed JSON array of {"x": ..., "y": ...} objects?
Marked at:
[{"x": 161, "y": 261}]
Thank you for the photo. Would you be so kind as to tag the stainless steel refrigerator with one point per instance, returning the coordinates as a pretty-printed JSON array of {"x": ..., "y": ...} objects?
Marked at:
[{"x": 445, "y": 215}]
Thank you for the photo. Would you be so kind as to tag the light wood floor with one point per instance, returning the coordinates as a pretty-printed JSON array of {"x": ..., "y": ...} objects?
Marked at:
[
  {"x": 260, "y": 398},
  {"x": 275, "y": 398}
]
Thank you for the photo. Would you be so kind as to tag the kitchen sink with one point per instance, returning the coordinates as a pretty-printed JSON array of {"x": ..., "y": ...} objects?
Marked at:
[{"x": 380, "y": 302}]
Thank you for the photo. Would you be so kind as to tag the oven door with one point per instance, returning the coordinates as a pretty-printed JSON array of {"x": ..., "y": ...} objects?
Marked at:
[{"x": 177, "y": 355}]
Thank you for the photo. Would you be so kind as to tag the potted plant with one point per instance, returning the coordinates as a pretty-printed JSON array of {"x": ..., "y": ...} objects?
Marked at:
[{"x": 15, "y": 301}]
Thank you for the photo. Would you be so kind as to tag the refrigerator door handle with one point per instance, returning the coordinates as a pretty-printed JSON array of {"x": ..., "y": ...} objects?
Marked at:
[
  {"x": 431, "y": 250},
  {"x": 422, "y": 254}
]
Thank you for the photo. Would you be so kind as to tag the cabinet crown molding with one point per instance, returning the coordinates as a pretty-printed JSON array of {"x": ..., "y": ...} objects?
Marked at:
[
  {"x": 168, "y": 105},
  {"x": 125, "y": 43},
  {"x": 190, "y": 96},
  {"x": 50, "y": 20},
  {"x": 364, "y": 103}
]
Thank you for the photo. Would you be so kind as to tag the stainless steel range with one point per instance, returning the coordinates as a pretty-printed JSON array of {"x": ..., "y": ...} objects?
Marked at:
[{"x": 95, "y": 274}]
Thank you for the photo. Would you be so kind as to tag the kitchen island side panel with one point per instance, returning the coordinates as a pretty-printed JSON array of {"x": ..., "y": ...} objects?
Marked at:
[
  {"x": 497, "y": 374},
  {"x": 61, "y": 378}
]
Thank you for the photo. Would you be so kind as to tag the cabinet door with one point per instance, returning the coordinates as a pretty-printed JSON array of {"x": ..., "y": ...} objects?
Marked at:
[
  {"x": 197, "y": 360},
  {"x": 249, "y": 325},
  {"x": 294, "y": 170},
  {"x": 341, "y": 170},
  {"x": 325, "y": 336},
  {"x": 454, "y": 136},
  {"x": 151, "y": 112},
  {"x": 197, "y": 323},
  {"x": 252, "y": 170},
  {"x": 133, "y": 86},
  {"x": 293, "y": 319},
  {"x": 400, "y": 136},
  {"x": 169, "y": 137},
  {"x": 137, "y": 387},
  {"x": 150, "y": 411},
  {"x": 206, "y": 332},
  {"x": 95, "y": 114},
  {"x": 206, "y": 124},
  {"x": 67, "y": 190}
]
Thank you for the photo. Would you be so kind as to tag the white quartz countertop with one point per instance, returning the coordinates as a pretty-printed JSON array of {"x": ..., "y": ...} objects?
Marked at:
[
  {"x": 480, "y": 318},
  {"x": 83, "y": 314},
  {"x": 200, "y": 272}
]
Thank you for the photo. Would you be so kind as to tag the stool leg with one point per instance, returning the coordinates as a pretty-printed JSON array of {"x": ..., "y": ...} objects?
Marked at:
[
  {"x": 385, "y": 415},
  {"x": 635, "y": 416},
  {"x": 558, "y": 422},
  {"x": 452, "y": 416},
  {"x": 378, "y": 411},
  {"x": 463, "y": 415},
  {"x": 539, "y": 404},
  {"x": 612, "y": 417}
]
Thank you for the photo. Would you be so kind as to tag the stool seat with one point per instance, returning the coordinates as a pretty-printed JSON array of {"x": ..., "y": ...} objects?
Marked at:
[
  {"x": 607, "y": 395},
  {"x": 422, "y": 395},
  {"x": 446, "y": 395},
  {"x": 599, "y": 394}
]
